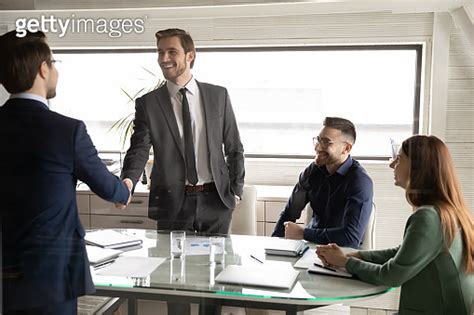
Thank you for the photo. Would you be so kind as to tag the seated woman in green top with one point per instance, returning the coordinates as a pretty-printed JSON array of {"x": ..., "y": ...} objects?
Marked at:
[{"x": 435, "y": 262}]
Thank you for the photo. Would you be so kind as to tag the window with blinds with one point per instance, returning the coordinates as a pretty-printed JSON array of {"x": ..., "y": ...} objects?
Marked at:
[{"x": 281, "y": 94}]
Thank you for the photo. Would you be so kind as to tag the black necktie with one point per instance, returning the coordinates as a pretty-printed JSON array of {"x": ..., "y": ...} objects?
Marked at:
[{"x": 188, "y": 141}]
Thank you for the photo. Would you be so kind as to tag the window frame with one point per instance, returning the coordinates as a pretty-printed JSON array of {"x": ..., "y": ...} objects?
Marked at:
[{"x": 418, "y": 48}]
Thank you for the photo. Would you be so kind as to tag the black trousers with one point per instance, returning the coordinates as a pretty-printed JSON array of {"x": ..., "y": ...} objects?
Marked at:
[
  {"x": 68, "y": 307},
  {"x": 202, "y": 212}
]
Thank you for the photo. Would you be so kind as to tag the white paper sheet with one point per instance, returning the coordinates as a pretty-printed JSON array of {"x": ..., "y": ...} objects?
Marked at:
[{"x": 125, "y": 266}]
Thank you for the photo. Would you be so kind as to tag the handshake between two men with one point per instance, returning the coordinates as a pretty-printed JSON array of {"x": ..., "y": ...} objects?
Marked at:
[{"x": 129, "y": 185}]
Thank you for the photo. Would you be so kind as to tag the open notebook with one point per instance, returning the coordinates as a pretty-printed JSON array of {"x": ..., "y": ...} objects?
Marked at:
[{"x": 111, "y": 239}]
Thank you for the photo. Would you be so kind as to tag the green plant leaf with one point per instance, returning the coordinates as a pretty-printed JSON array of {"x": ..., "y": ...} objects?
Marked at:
[{"x": 124, "y": 125}]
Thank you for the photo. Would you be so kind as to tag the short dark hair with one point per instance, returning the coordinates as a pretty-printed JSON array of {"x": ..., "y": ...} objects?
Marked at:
[
  {"x": 21, "y": 58},
  {"x": 345, "y": 126},
  {"x": 184, "y": 37}
]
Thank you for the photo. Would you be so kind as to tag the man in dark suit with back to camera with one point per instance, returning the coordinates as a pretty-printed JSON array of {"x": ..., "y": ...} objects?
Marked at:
[
  {"x": 337, "y": 187},
  {"x": 198, "y": 171},
  {"x": 43, "y": 154}
]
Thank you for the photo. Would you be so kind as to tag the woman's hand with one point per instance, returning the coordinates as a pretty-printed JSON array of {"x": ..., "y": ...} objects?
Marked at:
[{"x": 331, "y": 255}]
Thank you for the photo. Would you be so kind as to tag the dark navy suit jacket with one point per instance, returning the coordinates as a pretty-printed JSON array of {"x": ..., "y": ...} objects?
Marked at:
[{"x": 42, "y": 155}]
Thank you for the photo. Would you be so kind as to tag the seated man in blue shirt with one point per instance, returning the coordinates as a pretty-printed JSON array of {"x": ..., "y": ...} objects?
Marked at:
[{"x": 337, "y": 187}]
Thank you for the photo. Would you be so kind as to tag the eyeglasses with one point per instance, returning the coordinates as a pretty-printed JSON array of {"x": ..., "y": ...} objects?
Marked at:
[{"x": 324, "y": 142}]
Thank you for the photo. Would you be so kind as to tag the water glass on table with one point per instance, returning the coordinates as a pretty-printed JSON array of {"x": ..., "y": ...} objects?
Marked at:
[
  {"x": 217, "y": 249},
  {"x": 177, "y": 239}
]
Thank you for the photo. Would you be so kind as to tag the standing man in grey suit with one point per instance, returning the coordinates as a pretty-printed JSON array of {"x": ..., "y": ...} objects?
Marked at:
[{"x": 198, "y": 171}]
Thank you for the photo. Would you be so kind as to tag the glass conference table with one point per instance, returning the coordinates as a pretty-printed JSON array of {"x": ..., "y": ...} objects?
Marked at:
[{"x": 191, "y": 280}]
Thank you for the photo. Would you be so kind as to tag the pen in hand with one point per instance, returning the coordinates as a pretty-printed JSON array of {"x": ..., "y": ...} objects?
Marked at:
[
  {"x": 252, "y": 256},
  {"x": 322, "y": 266}
]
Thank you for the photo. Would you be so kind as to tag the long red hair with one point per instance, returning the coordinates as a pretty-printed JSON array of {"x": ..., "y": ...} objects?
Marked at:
[{"x": 433, "y": 181}]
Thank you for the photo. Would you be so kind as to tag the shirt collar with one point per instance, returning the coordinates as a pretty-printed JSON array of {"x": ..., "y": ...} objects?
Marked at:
[
  {"x": 30, "y": 96},
  {"x": 344, "y": 168},
  {"x": 173, "y": 89}
]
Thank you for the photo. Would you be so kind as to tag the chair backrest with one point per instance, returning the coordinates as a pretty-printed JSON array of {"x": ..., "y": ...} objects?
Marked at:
[
  {"x": 368, "y": 240},
  {"x": 309, "y": 214},
  {"x": 244, "y": 218}
]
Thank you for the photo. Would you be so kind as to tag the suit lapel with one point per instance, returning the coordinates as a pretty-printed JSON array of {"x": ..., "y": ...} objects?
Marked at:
[
  {"x": 164, "y": 102},
  {"x": 207, "y": 106}
]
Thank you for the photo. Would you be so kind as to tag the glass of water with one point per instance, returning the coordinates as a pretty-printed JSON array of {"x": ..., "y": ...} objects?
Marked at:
[
  {"x": 217, "y": 249},
  {"x": 177, "y": 239}
]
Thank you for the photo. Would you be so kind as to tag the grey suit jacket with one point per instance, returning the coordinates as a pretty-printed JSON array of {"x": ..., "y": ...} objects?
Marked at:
[{"x": 155, "y": 125}]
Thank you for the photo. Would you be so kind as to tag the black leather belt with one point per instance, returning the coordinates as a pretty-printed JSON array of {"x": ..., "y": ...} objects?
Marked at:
[{"x": 200, "y": 188}]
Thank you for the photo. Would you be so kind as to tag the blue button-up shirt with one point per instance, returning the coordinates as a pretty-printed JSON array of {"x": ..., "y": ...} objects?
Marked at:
[{"x": 341, "y": 202}]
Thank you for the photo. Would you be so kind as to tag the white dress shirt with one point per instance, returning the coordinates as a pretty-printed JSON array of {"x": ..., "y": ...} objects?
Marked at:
[
  {"x": 198, "y": 126},
  {"x": 30, "y": 96}
]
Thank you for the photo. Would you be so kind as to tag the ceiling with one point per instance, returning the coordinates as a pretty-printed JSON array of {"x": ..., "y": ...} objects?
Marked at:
[{"x": 326, "y": 5}]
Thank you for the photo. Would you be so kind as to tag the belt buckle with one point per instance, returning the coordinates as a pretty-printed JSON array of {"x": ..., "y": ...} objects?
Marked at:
[
  {"x": 198, "y": 188},
  {"x": 195, "y": 188}
]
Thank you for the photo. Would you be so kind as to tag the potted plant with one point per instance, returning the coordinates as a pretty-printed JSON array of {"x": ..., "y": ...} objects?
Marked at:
[{"x": 124, "y": 125}]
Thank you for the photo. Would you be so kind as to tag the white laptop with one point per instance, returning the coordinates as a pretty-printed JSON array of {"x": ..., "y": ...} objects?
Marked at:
[
  {"x": 111, "y": 239},
  {"x": 265, "y": 275},
  {"x": 98, "y": 255}
]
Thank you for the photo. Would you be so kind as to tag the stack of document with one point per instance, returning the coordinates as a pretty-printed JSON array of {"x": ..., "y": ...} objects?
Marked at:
[
  {"x": 283, "y": 247},
  {"x": 111, "y": 239}
]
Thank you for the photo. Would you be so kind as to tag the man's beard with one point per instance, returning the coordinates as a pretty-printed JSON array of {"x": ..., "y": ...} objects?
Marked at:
[{"x": 50, "y": 94}]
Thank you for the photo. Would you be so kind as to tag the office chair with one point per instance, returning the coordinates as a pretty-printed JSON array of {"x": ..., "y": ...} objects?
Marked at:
[
  {"x": 244, "y": 218},
  {"x": 368, "y": 240}
]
